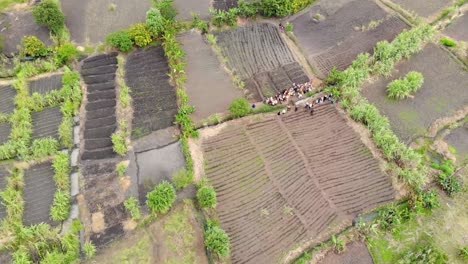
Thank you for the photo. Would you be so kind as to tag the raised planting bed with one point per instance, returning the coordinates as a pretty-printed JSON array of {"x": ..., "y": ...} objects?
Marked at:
[
  {"x": 3, "y": 184},
  {"x": 39, "y": 190},
  {"x": 424, "y": 8},
  {"x": 333, "y": 33},
  {"x": 458, "y": 29},
  {"x": 15, "y": 25},
  {"x": 154, "y": 99},
  {"x": 457, "y": 139},
  {"x": 7, "y": 99},
  {"x": 5, "y": 130},
  {"x": 99, "y": 76},
  {"x": 356, "y": 253},
  {"x": 83, "y": 17},
  {"x": 209, "y": 86},
  {"x": 186, "y": 9},
  {"x": 443, "y": 92},
  {"x": 284, "y": 179},
  {"x": 46, "y": 85},
  {"x": 46, "y": 123}
]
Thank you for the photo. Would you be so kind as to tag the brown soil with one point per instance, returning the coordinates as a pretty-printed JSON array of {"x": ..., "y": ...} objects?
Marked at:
[
  {"x": 282, "y": 180},
  {"x": 458, "y": 29},
  {"x": 424, "y": 8},
  {"x": 356, "y": 253},
  {"x": 457, "y": 139},
  {"x": 185, "y": 9}
]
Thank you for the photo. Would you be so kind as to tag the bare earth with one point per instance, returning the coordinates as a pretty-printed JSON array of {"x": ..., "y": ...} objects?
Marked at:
[{"x": 356, "y": 253}]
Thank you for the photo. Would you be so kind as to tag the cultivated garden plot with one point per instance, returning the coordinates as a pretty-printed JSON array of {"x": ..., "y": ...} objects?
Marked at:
[
  {"x": 209, "y": 86},
  {"x": 224, "y": 4},
  {"x": 458, "y": 29},
  {"x": 332, "y": 33},
  {"x": 356, "y": 253},
  {"x": 99, "y": 75},
  {"x": 186, "y": 9},
  {"x": 458, "y": 140},
  {"x": 15, "y": 25},
  {"x": 46, "y": 85},
  {"x": 7, "y": 99},
  {"x": 39, "y": 190},
  {"x": 46, "y": 123},
  {"x": 3, "y": 184},
  {"x": 424, "y": 8},
  {"x": 285, "y": 179},
  {"x": 154, "y": 98},
  {"x": 443, "y": 92},
  {"x": 91, "y": 21},
  {"x": 5, "y": 130}
]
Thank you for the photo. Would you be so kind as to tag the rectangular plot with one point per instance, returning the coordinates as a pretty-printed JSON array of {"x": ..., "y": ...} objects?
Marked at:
[
  {"x": 46, "y": 85},
  {"x": 3, "y": 184},
  {"x": 46, "y": 123},
  {"x": 39, "y": 190},
  {"x": 7, "y": 99},
  {"x": 5, "y": 130}
]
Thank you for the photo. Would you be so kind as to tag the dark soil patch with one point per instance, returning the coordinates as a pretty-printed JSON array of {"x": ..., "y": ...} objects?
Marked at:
[
  {"x": 39, "y": 190},
  {"x": 46, "y": 123},
  {"x": 185, "y": 9},
  {"x": 424, "y": 8},
  {"x": 99, "y": 75},
  {"x": 443, "y": 92},
  {"x": 106, "y": 237},
  {"x": 285, "y": 179},
  {"x": 458, "y": 30},
  {"x": 224, "y": 4},
  {"x": 458, "y": 139},
  {"x": 15, "y": 25},
  {"x": 333, "y": 33},
  {"x": 46, "y": 85},
  {"x": 154, "y": 99},
  {"x": 7, "y": 99},
  {"x": 3, "y": 184},
  {"x": 5, "y": 130},
  {"x": 356, "y": 253},
  {"x": 90, "y": 22},
  {"x": 209, "y": 87}
]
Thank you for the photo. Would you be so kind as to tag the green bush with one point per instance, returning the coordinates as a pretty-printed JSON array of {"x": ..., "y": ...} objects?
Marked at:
[
  {"x": 392, "y": 216},
  {"x": 65, "y": 54},
  {"x": 402, "y": 88},
  {"x": 463, "y": 252},
  {"x": 49, "y": 14},
  {"x": 424, "y": 255},
  {"x": 430, "y": 199},
  {"x": 199, "y": 24},
  {"x": 119, "y": 142},
  {"x": 121, "y": 168},
  {"x": 217, "y": 241},
  {"x": 120, "y": 40},
  {"x": 34, "y": 47},
  {"x": 338, "y": 244},
  {"x": 247, "y": 9},
  {"x": 140, "y": 35},
  {"x": 133, "y": 206},
  {"x": 89, "y": 250},
  {"x": 166, "y": 8},
  {"x": 448, "y": 42},
  {"x": 60, "y": 210},
  {"x": 276, "y": 8},
  {"x": 161, "y": 199},
  {"x": 206, "y": 196},
  {"x": 182, "y": 179},
  {"x": 239, "y": 108},
  {"x": 450, "y": 183},
  {"x": 298, "y": 5},
  {"x": 221, "y": 17},
  {"x": 155, "y": 22},
  {"x": 304, "y": 259},
  {"x": 66, "y": 132},
  {"x": 289, "y": 27},
  {"x": 62, "y": 170},
  {"x": 44, "y": 147}
]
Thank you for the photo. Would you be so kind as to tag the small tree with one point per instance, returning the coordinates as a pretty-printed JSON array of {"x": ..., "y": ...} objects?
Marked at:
[
  {"x": 206, "y": 196},
  {"x": 140, "y": 35},
  {"x": 66, "y": 53},
  {"x": 34, "y": 47},
  {"x": 155, "y": 22},
  {"x": 160, "y": 200},
  {"x": 49, "y": 14},
  {"x": 239, "y": 108},
  {"x": 217, "y": 241}
]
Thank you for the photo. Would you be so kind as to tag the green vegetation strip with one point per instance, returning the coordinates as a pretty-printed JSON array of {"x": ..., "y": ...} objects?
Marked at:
[{"x": 121, "y": 138}]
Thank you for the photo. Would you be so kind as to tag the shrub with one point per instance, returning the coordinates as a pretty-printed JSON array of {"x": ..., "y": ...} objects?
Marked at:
[
  {"x": 289, "y": 27},
  {"x": 66, "y": 132},
  {"x": 199, "y": 24},
  {"x": 247, "y": 9},
  {"x": 120, "y": 40},
  {"x": 430, "y": 199},
  {"x": 239, "y": 108},
  {"x": 34, "y": 47},
  {"x": 217, "y": 241},
  {"x": 155, "y": 22},
  {"x": 221, "y": 17},
  {"x": 298, "y": 5},
  {"x": 463, "y": 252},
  {"x": 276, "y": 8},
  {"x": 62, "y": 169},
  {"x": 119, "y": 142},
  {"x": 60, "y": 209},
  {"x": 391, "y": 216},
  {"x": 423, "y": 255},
  {"x": 450, "y": 183},
  {"x": 89, "y": 250},
  {"x": 402, "y": 88},
  {"x": 48, "y": 13},
  {"x": 182, "y": 179},
  {"x": 448, "y": 42},
  {"x": 65, "y": 53},
  {"x": 206, "y": 196},
  {"x": 44, "y": 147},
  {"x": 140, "y": 35},
  {"x": 338, "y": 244},
  {"x": 160, "y": 200},
  {"x": 304, "y": 259},
  {"x": 166, "y": 8},
  {"x": 133, "y": 206}
]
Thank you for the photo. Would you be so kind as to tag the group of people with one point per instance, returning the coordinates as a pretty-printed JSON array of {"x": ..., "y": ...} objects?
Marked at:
[{"x": 298, "y": 90}]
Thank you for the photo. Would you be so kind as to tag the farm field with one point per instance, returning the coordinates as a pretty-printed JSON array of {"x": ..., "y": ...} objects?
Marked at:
[
  {"x": 356, "y": 253},
  {"x": 110, "y": 15},
  {"x": 346, "y": 28},
  {"x": 99, "y": 75},
  {"x": 154, "y": 98},
  {"x": 186, "y": 9},
  {"x": 7, "y": 99},
  {"x": 443, "y": 92},
  {"x": 224, "y": 4},
  {"x": 15, "y": 25},
  {"x": 3, "y": 183},
  {"x": 424, "y": 8},
  {"x": 259, "y": 56},
  {"x": 209, "y": 86},
  {"x": 458, "y": 29},
  {"x": 5, "y": 130},
  {"x": 46, "y": 85},
  {"x": 46, "y": 123},
  {"x": 457, "y": 139},
  {"x": 281, "y": 180}
]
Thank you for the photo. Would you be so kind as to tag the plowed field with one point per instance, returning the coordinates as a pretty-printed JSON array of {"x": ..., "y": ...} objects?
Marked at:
[
  {"x": 5, "y": 130},
  {"x": 99, "y": 75},
  {"x": 39, "y": 190},
  {"x": 332, "y": 33},
  {"x": 7, "y": 99},
  {"x": 443, "y": 92},
  {"x": 154, "y": 99},
  {"x": 46, "y": 85},
  {"x": 3, "y": 183},
  {"x": 458, "y": 29},
  {"x": 46, "y": 123},
  {"x": 288, "y": 178},
  {"x": 424, "y": 8}
]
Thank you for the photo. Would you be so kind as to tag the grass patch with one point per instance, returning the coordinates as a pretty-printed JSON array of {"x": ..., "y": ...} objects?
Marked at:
[
  {"x": 448, "y": 42},
  {"x": 6, "y": 3}
]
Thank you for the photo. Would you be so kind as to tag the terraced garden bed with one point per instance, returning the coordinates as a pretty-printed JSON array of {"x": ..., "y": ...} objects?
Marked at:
[
  {"x": 333, "y": 33},
  {"x": 424, "y": 8},
  {"x": 458, "y": 29},
  {"x": 83, "y": 17},
  {"x": 46, "y": 123},
  {"x": 284, "y": 179},
  {"x": 443, "y": 92},
  {"x": 356, "y": 253},
  {"x": 46, "y": 85},
  {"x": 5, "y": 130},
  {"x": 3, "y": 184},
  {"x": 15, "y": 25},
  {"x": 209, "y": 86},
  {"x": 185, "y": 9},
  {"x": 7, "y": 99},
  {"x": 39, "y": 190},
  {"x": 457, "y": 139},
  {"x": 154, "y": 98},
  {"x": 99, "y": 76}
]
